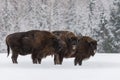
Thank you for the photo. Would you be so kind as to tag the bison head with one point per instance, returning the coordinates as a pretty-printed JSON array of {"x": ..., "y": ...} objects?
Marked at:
[
  {"x": 92, "y": 45},
  {"x": 57, "y": 44},
  {"x": 71, "y": 40}
]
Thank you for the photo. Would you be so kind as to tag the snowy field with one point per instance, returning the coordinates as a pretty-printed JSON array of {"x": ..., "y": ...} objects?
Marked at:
[{"x": 99, "y": 67}]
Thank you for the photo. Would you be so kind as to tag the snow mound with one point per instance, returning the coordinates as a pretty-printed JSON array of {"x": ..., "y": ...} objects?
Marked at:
[{"x": 99, "y": 67}]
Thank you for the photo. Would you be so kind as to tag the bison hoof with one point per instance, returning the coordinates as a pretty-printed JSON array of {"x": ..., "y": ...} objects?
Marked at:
[
  {"x": 15, "y": 63},
  {"x": 57, "y": 63},
  {"x": 80, "y": 64},
  {"x": 75, "y": 64},
  {"x": 34, "y": 61}
]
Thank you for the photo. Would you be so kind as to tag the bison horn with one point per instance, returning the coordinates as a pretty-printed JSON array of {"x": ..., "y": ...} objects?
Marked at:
[{"x": 89, "y": 40}]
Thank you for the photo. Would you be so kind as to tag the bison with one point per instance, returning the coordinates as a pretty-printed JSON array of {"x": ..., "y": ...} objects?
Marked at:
[
  {"x": 84, "y": 49},
  {"x": 33, "y": 42},
  {"x": 69, "y": 40}
]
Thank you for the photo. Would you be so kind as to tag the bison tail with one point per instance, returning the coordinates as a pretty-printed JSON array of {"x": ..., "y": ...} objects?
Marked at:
[{"x": 8, "y": 49}]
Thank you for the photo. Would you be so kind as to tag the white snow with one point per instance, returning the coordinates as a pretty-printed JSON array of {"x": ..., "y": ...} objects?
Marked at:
[{"x": 99, "y": 67}]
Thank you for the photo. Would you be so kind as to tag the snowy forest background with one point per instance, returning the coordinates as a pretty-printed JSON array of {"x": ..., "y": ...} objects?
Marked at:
[{"x": 99, "y": 19}]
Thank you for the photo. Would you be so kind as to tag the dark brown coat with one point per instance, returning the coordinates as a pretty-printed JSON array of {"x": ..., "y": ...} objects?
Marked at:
[
  {"x": 69, "y": 40},
  {"x": 32, "y": 42},
  {"x": 84, "y": 49}
]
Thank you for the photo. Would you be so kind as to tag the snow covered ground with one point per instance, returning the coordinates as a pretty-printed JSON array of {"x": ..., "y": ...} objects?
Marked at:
[{"x": 99, "y": 67}]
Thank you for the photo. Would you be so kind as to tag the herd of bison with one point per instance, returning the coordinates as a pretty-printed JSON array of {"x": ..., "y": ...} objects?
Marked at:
[{"x": 60, "y": 44}]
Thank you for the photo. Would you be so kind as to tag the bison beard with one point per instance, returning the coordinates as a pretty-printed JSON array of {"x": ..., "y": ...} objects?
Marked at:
[
  {"x": 85, "y": 48},
  {"x": 69, "y": 40},
  {"x": 33, "y": 42}
]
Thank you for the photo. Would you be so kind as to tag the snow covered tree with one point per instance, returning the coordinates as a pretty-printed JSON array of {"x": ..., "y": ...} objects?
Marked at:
[
  {"x": 70, "y": 16},
  {"x": 115, "y": 26},
  {"x": 99, "y": 19}
]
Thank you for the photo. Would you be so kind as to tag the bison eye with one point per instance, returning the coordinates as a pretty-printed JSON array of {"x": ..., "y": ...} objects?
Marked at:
[
  {"x": 68, "y": 40},
  {"x": 93, "y": 46}
]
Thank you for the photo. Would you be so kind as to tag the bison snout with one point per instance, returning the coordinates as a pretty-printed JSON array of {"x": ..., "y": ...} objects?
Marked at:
[
  {"x": 73, "y": 47},
  {"x": 94, "y": 52},
  {"x": 59, "y": 47}
]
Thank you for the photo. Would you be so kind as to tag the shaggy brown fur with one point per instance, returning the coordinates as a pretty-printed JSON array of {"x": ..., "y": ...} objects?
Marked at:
[
  {"x": 69, "y": 40},
  {"x": 33, "y": 42},
  {"x": 85, "y": 48}
]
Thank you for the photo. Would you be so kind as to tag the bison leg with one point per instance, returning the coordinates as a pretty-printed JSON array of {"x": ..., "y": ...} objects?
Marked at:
[
  {"x": 34, "y": 59},
  {"x": 56, "y": 59},
  {"x": 14, "y": 58},
  {"x": 39, "y": 60},
  {"x": 76, "y": 61},
  {"x": 39, "y": 57},
  {"x": 61, "y": 59},
  {"x": 80, "y": 62}
]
